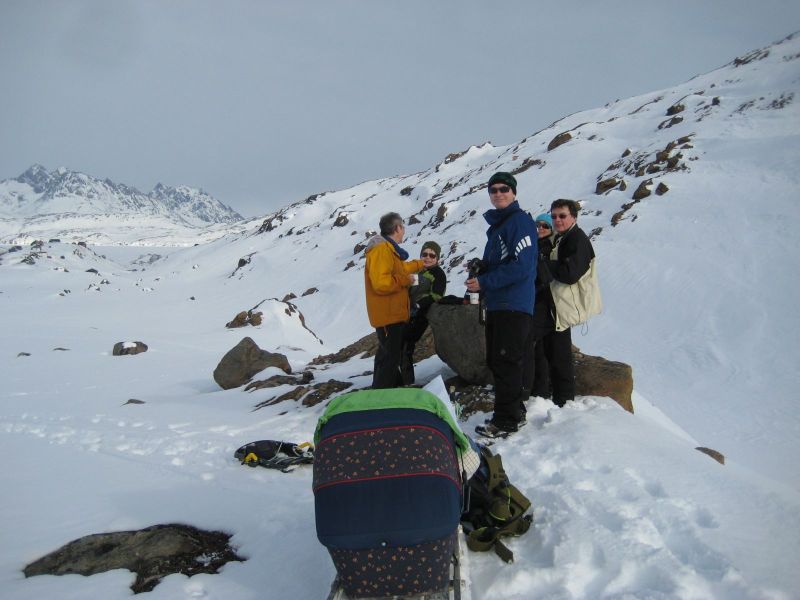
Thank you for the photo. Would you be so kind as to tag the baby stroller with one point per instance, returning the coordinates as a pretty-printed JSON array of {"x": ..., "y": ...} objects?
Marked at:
[{"x": 388, "y": 481}]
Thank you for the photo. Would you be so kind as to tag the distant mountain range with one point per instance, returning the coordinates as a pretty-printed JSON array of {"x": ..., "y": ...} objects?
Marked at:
[{"x": 74, "y": 206}]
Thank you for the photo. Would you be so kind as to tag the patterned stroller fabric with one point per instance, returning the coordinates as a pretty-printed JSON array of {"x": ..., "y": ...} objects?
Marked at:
[{"x": 387, "y": 493}]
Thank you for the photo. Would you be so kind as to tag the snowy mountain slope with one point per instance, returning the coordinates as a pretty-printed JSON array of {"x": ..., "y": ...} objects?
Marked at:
[
  {"x": 699, "y": 300},
  {"x": 689, "y": 269},
  {"x": 73, "y": 206}
]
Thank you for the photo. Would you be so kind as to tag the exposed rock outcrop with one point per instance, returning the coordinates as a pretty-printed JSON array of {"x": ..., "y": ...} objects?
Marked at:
[
  {"x": 561, "y": 138},
  {"x": 365, "y": 347},
  {"x": 276, "y": 380},
  {"x": 596, "y": 376},
  {"x": 717, "y": 456},
  {"x": 246, "y": 317},
  {"x": 310, "y": 395},
  {"x": 609, "y": 184},
  {"x": 643, "y": 191},
  {"x": 243, "y": 361}
]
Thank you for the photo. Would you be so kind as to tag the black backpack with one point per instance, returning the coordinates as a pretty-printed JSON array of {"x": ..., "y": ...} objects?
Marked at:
[
  {"x": 273, "y": 454},
  {"x": 495, "y": 508}
]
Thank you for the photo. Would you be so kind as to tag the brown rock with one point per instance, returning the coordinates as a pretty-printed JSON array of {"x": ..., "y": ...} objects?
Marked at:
[
  {"x": 243, "y": 361},
  {"x": 643, "y": 191},
  {"x": 596, "y": 376},
  {"x": 311, "y": 395},
  {"x": 675, "y": 109},
  {"x": 276, "y": 380},
  {"x": 152, "y": 553},
  {"x": 240, "y": 320},
  {"x": 471, "y": 398},
  {"x": 717, "y": 456},
  {"x": 606, "y": 185},
  {"x": 310, "y": 291},
  {"x": 670, "y": 122},
  {"x": 323, "y": 391},
  {"x": 124, "y": 348},
  {"x": 247, "y": 317},
  {"x": 561, "y": 138},
  {"x": 661, "y": 189},
  {"x": 674, "y": 161},
  {"x": 365, "y": 347}
]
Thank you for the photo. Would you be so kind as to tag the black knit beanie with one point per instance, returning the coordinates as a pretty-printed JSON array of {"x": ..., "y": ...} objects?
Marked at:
[
  {"x": 433, "y": 246},
  {"x": 503, "y": 177}
]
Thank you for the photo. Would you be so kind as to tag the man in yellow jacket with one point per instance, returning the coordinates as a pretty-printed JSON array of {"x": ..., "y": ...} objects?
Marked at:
[{"x": 386, "y": 282}]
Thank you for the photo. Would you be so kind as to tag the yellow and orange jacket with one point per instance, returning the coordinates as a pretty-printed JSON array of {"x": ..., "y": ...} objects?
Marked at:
[{"x": 386, "y": 281}]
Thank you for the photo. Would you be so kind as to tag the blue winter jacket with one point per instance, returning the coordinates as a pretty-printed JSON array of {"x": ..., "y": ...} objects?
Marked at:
[{"x": 510, "y": 256}]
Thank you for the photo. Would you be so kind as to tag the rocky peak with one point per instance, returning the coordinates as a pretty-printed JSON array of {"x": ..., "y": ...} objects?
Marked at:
[
  {"x": 37, "y": 177},
  {"x": 89, "y": 195}
]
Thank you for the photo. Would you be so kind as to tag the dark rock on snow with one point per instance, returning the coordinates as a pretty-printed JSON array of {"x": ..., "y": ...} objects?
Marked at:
[
  {"x": 717, "y": 456},
  {"x": 643, "y": 191},
  {"x": 310, "y": 395},
  {"x": 123, "y": 348},
  {"x": 365, "y": 347},
  {"x": 460, "y": 341},
  {"x": 276, "y": 380},
  {"x": 243, "y": 361},
  {"x": 561, "y": 138},
  {"x": 152, "y": 553}
]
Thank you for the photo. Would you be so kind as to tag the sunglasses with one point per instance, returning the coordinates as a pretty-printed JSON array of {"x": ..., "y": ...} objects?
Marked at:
[
  {"x": 499, "y": 189},
  {"x": 542, "y": 226},
  {"x": 559, "y": 216},
  {"x": 428, "y": 255}
]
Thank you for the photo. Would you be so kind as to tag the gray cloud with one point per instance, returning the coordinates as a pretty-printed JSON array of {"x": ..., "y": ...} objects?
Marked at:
[{"x": 263, "y": 103}]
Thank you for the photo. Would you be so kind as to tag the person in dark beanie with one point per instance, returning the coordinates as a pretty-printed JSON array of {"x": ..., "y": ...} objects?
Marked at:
[
  {"x": 507, "y": 284},
  {"x": 386, "y": 282},
  {"x": 430, "y": 287}
]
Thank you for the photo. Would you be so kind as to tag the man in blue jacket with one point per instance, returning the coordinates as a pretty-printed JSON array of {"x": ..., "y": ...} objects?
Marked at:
[{"x": 507, "y": 284}]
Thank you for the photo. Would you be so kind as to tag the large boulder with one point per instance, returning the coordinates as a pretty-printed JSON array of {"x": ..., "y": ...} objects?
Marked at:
[
  {"x": 596, "y": 376},
  {"x": 561, "y": 138},
  {"x": 460, "y": 341},
  {"x": 151, "y": 553},
  {"x": 243, "y": 361}
]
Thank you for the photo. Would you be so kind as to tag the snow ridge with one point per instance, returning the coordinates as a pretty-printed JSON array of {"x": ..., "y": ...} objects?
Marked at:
[{"x": 71, "y": 205}]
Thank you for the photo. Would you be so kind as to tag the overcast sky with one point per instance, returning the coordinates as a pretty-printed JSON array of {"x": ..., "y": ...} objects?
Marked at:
[{"x": 262, "y": 103}]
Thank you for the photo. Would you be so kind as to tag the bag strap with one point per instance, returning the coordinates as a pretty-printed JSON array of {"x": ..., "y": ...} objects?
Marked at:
[
  {"x": 508, "y": 508},
  {"x": 488, "y": 538}
]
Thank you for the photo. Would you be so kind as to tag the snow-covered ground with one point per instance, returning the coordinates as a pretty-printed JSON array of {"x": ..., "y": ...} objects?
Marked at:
[{"x": 700, "y": 286}]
